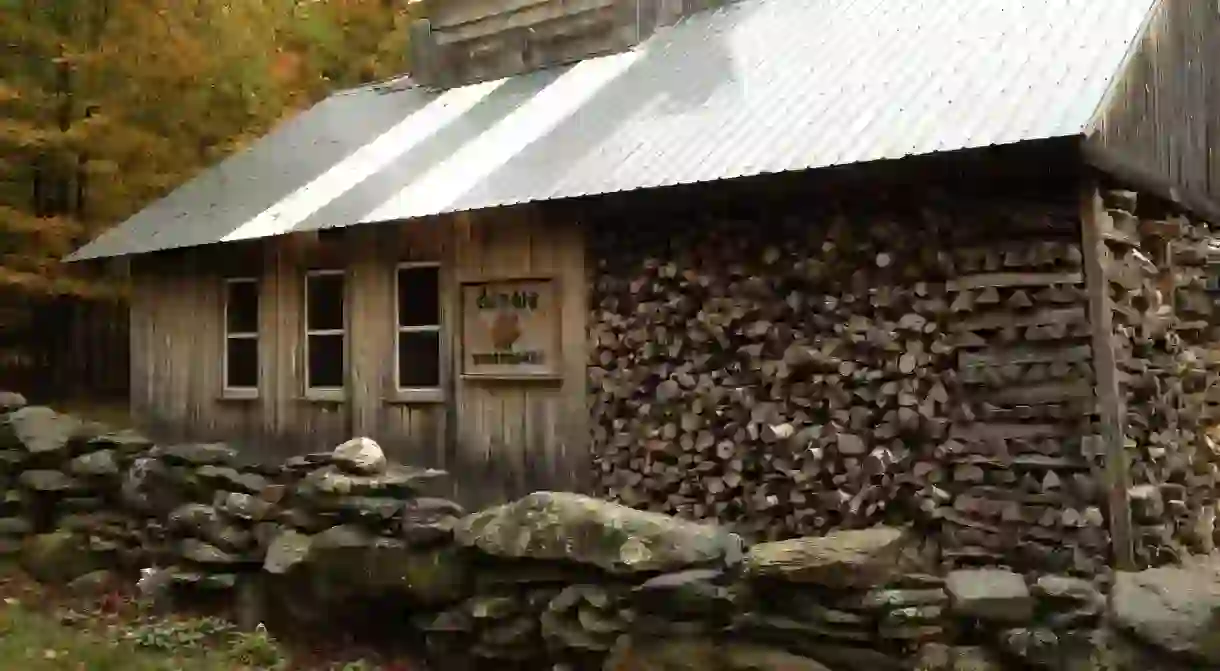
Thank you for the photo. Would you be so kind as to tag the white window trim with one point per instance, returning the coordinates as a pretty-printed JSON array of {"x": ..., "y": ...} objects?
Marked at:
[
  {"x": 429, "y": 328},
  {"x": 230, "y": 390},
  {"x": 311, "y": 390}
]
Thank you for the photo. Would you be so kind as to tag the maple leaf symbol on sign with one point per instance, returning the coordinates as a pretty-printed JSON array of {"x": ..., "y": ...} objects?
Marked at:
[{"x": 505, "y": 330}]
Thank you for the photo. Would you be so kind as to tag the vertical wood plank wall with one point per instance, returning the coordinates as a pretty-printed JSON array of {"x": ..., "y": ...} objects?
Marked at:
[
  {"x": 1156, "y": 117},
  {"x": 498, "y": 439}
]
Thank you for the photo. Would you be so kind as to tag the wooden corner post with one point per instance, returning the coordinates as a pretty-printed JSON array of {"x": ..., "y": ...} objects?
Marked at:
[{"x": 1094, "y": 220}]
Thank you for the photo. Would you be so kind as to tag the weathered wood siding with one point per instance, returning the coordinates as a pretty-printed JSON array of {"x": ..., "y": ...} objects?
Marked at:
[
  {"x": 500, "y": 439},
  {"x": 1159, "y": 121}
]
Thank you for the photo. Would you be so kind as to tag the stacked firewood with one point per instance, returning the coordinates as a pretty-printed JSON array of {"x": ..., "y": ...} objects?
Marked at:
[
  {"x": 1012, "y": 484},
  {"x": 1162, "y": 327},
  {"x": 785, "y": 387}
]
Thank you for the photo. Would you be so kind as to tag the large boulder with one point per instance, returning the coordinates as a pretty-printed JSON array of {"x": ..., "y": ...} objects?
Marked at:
[
  {"x": 10, "y": 401},
  {"x": 861, "y": 558},
  {"x": 59, "y": 557},
  {"x": 571, "y": 527},
  {"x": 1176, "y": 609},
  {"x": 43, "y": 432},
  {"x": 361, "y": 456},
  {"x": 357, "y": 562}
]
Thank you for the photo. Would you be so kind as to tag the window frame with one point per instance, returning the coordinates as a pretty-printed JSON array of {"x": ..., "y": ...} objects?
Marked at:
[
  {"x": 228, "y": 390},
  {"x": 419, "y": 394},
  {"x": 317, "y": 392}
]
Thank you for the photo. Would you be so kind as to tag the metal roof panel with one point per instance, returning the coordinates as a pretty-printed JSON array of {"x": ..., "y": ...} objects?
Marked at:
[{"x": 755, "y": 87}]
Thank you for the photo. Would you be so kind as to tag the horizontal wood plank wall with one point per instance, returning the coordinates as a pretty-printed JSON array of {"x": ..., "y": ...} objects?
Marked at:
[
  {"x": 1159, "y": 118},
  {"x": 517, "y": 437}
]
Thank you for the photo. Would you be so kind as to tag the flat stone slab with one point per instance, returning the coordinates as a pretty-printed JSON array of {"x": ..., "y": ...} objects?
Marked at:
[
  {"x": 994, "y": 595},
  {"x": 1176, "y": 609},
  {"x": 862, "y": 558},
  {"x": 584, "y": 530}
]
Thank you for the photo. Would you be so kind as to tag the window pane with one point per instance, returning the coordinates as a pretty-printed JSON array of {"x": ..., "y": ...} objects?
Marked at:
[
  {"x": 242, "y": 371},
  {"x": 242, "y": 307},
  {"x": 325, "y": 309},
  {"x": 326, "y": 361},
  {"x": 418, "y": 297},
  {"x": 419, "y": 359}
]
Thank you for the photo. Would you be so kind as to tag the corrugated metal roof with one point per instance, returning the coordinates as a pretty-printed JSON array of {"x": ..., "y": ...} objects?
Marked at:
[{"x": 759, "y": 86}]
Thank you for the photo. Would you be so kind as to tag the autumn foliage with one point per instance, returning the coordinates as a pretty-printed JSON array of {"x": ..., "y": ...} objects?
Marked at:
[{"x": 106, "y": 105}]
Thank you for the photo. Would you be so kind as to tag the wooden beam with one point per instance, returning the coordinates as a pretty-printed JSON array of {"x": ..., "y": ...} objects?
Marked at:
[
  {"x": 1110, "y": 405},
  {"x": 1134, "y": 175}
]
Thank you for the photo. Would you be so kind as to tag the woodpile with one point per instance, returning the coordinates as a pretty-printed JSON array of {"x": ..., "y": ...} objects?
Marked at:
[
  {"x": 1018, "y": 480},
  {"x": 1162, "y": 331},
  {"x": 840, "y": 370}
]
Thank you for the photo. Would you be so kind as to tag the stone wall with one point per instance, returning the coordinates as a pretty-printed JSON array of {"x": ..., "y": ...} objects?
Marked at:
[{"x": 555, "y": 580}]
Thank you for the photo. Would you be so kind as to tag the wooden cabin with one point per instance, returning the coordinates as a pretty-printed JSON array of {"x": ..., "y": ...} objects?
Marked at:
[{"x": 789, "y": 264}]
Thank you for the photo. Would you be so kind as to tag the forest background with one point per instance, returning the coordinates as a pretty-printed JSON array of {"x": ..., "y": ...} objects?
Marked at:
[{"x": 107, "y": 105}]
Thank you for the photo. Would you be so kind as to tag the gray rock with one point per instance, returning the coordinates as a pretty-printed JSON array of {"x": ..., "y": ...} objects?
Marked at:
[
  {"x": 289, "y": 549},
  {"x": 100, "y": 464},
  {"x": 59, "y": 557},
  {"x": 15, "y": 526},
  {"x": 363, "y": 564},
  {"x": 1176, "y": 609},
  {"x": 197, "y": 454},
  {"x": 396, "y": 482},
  {"x": 192, "y": 518},
  {"x": 47, "y": 481},
  {"x": 225, "y": 477},
  {"x": 370, "y": 509},
  {"x": 42, "y": 431},
  {"x": 93, "y": 584},
  {"x": 12, "y": 460},
  {"x": 199, "y": 552},
  {"x": 126, "y": 442},
  {"x": 990, "y": 594},
  {"x": 1037, "y": 647},
  {"x": 11, "y": 401},
  {"x": 847, "y": 559},
  {"x": 304, "y": 463},
  {"x": 746, "y": 657},
  {"x": 686, "y": 594},
  {"x": 1147, "y": 504},
  {"x": 1066, "y": 588},
  {"x": 883, "y": 599},
  {"x": 427, "y": 521},
  {"x": 242, "y": 506},
  {"x": 580, "y": 529},
  {"x": 849, "y": 658},
  {"x": 81, "y": 504},
  {"x": 361, "y": 456}
]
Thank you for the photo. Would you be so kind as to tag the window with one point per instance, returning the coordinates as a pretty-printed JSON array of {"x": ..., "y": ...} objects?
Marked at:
[
  {"x": 324, "y": 333},
  {"x": 241, "y": 334},
  {"x": 419, "y": 326}
]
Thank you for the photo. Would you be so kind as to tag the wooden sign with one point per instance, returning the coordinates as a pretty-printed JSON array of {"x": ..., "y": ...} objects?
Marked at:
[{"x": 510, "y": 329}]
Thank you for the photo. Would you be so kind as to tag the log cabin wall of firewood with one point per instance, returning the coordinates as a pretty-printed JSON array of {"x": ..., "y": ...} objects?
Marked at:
[
  {"x": 1165, "y": 340},
  {"x": 933, "y": 363}
]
